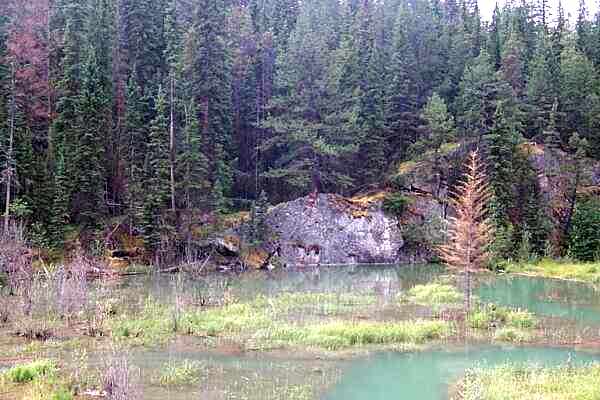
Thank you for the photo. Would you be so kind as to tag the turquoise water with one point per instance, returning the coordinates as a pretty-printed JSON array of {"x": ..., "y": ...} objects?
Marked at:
[
  {"x": 547, "y": 297},
  {"x": 428, "y": 375}
]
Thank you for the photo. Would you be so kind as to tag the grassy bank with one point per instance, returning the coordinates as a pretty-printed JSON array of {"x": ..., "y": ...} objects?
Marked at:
[
  {"x": 517, "y": 382},
  {"x": 559, "y": 269}
]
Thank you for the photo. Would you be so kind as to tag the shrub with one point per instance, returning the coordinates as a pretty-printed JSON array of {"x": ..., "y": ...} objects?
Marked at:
[
  {"x": 28, "y": 372},
  {"x": 396, "y": 204}
]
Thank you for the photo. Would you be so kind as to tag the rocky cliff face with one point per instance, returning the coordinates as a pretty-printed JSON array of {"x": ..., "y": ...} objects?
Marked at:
[{"x": 330, "y": 229}]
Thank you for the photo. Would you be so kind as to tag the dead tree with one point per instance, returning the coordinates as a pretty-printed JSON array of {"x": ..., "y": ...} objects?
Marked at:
[{"x": 470, "y": 231}]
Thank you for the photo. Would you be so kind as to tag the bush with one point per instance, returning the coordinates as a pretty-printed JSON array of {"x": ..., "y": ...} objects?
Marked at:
[
  {"x": 584, "y": 239},
  {"x": 28, "y": 372},
  {"x": 396, "y": 204}
]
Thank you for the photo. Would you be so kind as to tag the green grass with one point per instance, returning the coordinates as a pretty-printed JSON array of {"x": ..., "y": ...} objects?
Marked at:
[
  {"x": 435, "y": 294},
  {"x": 179, "y": 373},
  {"x": 492, "y": 316},
  {"x": 153, "y": 325},
  {"x": 28, "y": 372},
  {"x": 343, "y": 334},
  {"x": 268, "y": 321},
  {"x": 513, "y": 335},
  {"x": 518, "y": 382},
  {"x": 561, "y": 269}
]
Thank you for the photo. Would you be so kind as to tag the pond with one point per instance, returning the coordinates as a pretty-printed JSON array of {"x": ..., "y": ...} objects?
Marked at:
[
  {"x": 420, "y": 375},
  {"x": 570, "y": 314}
]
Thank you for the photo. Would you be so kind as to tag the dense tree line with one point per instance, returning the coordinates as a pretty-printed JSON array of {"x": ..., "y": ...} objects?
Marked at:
[{"x": 141, "y": 108}]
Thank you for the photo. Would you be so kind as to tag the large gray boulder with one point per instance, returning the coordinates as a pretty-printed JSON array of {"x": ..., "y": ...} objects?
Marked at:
[{"x": 330, "y": 229}]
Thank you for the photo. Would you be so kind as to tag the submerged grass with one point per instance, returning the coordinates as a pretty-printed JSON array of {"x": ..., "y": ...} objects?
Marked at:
[
  {"x": 522, "y": 382},
  {"x": 560, "y": 269},
  {"x": 179, "y": 373}
]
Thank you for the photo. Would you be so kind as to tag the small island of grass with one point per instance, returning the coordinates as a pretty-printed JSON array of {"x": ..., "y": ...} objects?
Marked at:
[{"x": 524, "y": 382}]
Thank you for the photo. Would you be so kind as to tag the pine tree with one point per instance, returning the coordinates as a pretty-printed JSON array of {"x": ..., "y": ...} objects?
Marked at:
[
  {"x": 65, "y": 128},
  {"x": 258, "y": 223},
  {"x": 541, "y": 92},
  {"x": 157, "y": 174},
  {"x": 476, "y": 101},
  {"x": 440, "y": 130},
  {"x": 552, "y": 138},
  {"x": 501, "y": 143},
  {"x": 210, "y": 74},
  {"x": 192, "y": 165},
  {"x": 92, "y": 131},
  {"x": 304, "y": 146},
  {"x": 578, "y": 83},
  {"x": 495, "y": 47},
  {"x": 403, "y": 102},
  {"x": 135, "y": 143}
]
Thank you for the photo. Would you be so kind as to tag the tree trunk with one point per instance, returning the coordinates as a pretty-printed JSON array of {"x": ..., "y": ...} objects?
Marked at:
[
  {"x": 172, "y": 145},
  {"x": 8, "y": 172}
]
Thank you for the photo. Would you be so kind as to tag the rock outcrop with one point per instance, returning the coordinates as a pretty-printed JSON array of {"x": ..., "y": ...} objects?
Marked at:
[{"x": 330, "y": 229}]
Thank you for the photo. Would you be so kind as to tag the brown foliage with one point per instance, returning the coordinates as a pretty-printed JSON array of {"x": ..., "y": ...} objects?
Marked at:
[{"x": 470, "y": 231}]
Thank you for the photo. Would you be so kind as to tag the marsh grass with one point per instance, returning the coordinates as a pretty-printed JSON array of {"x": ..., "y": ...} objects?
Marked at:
[
  {"x": 513, "y": 335},
  {"x": 343, "y": 334},
  {"x": 182, "y": 373},
  {"x": 320, "y": 320},
  {"x": 489, "y": 316},
  {"x": 28, "y": 372},
  {"x": 434, "y": 294},
  {"x": 523, "y": 382},
  {"x": 37, "y": 380},
  {"x": 561, "y": 269}
]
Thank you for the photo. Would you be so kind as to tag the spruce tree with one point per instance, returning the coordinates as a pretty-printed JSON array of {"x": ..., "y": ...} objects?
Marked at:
[
  {"x": 306, "y": 149},
  {"x": 134, "y": 142},
  {"x": 578, "y": 84},
  {"x": 65, "y": 129},
  {"x": 403, "y": 102},
  {"x": 92, "y": 131},
  {"x": 192, "y": 164},
  {"x": 156, "y": 175},
  {"x": 501, "y": 143},
  {"x": 476, "y": 101},
  {"x": 210, "y": 74},
  {"x": 541, "y": 93}
]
